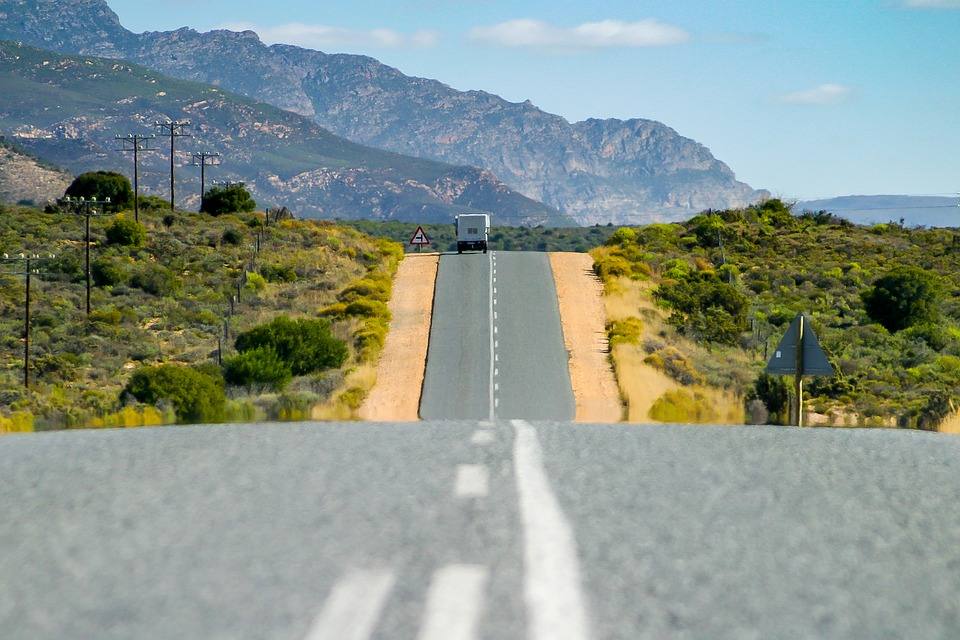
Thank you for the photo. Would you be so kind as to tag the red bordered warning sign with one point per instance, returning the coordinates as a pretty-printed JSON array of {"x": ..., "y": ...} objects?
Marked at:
[{"x": 419, "y": 238}]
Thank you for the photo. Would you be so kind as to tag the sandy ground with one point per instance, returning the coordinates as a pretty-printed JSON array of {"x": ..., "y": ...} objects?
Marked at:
[
  {"x": 396, "y": 395},
  {"x": 951, "y": 424},
  {"x": 582, "y": 315}
]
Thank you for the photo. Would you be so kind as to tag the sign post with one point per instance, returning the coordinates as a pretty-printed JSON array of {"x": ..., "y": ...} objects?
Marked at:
[
  {"x": 799, "y": 354},
  {"x": 419, "y": 238}
]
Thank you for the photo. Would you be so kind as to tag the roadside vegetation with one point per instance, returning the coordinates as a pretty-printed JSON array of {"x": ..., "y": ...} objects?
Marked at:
[
  {"x": 704, "y": 302},
  {"x": 189, "y": 321}
]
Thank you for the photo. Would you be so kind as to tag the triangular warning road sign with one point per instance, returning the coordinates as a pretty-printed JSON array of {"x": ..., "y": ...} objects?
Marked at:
[
  {"x": 814, "y": 361},
  {"x": 419, "y": 237}
]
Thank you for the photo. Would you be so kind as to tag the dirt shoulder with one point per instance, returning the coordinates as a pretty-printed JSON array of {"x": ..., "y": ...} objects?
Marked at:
[
  {"x": 396, "y": 394},
  {"x": 582, "y": 315}
]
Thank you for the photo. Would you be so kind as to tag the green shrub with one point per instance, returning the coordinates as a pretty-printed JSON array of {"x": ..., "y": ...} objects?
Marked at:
[
  {"x": 232, "y": 237},
  {"x": 305, "y": 345},
  {"x": 155, "y": 279},
  {"x": 126, "y": 233},
  {"x": 257, "y": 366},
  {"x": 255, "y": 282},
  {"x": 278, "y": 273},
  {"x": 904, "y": 297},
  {"x": 109, "y": 272},
  {"x": 196, "y": 396},
  {"x": 232, "y": 198},
  {"x": 626, "y": 331},
  {"x": 102, "y": 185}
]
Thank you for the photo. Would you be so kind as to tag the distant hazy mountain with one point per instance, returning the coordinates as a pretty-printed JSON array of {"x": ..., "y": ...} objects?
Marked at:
[
  {"x": 596, "y": 170},
  {"x": 67, "y": 109},
  {"x": 916, "y": 211}
]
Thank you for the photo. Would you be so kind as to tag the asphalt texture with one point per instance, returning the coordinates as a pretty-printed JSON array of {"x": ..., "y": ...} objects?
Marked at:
[
  {"x": 504, "y": 303},
  {"x": 243, "y": 531}
]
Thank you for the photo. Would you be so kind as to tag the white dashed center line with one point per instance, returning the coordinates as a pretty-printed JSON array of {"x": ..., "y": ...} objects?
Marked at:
[
  {"x": 454, "y": 603},
  {"x": 482, "y": 436},
  {"x": 473, "y": 481},
  {"x": 353, "y": 606}
]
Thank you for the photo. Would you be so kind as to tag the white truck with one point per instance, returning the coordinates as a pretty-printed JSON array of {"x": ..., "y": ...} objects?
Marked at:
[{"x": 472, "y": 231}]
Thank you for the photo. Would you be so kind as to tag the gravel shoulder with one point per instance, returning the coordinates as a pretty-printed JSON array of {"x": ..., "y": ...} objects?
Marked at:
[
  {"x": 396, "y": 394},
  {"x": 582, "y": 315}
]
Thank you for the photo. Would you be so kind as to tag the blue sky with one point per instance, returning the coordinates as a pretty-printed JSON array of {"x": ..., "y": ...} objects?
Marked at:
[{"x": 807, "y": 99}]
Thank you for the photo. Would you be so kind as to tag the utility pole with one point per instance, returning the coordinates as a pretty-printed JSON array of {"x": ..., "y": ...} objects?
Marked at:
[
  {"x": 174, "y": 129},
  {"x": 136, "y": 142},
  {"x": 203, "y": 160},
  {"x": 83, "y": 206},
  {"x": 30, "y": 261}
]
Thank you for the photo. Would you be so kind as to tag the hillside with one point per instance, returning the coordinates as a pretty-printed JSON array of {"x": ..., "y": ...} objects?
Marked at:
[
  {"x": 707, "y": 314},
  {"x": 168, "y": 301},
  {"x": 626, "y": 171},
  {"x": 67, "y": 109},
  {"x": 916, "y": 211},
  {"x": 26, "y": 179}
]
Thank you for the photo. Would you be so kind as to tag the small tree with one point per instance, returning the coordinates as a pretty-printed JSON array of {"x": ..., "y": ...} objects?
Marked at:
[
  {"x": 257, "y": 366},
  {"x": 126, "y": 233},
  {"x": 102, "y": 185},
  {"x": 232, "y": 198},
  {"x": 904, "y": 297},
  {"x": 305, "y": 345}
]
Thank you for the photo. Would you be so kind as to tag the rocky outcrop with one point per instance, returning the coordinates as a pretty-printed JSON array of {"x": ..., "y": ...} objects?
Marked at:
[{"x": 24, "y": 178}]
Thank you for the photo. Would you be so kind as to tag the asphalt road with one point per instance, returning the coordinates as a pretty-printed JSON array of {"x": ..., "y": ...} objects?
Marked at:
[
  {"x": 461, "y": 530},
  {"x": 496, "y": 344}
]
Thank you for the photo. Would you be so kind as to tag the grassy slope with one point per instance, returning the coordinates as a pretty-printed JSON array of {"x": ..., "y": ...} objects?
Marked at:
[
  {"x": 80, "y": 365},
  {"x": 820, "y": 266}
]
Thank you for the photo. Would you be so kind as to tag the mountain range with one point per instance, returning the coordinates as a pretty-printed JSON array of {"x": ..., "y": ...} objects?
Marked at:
[
  {"x": 914, "y": 211},
  {"x": 67, "y": 110},
  {"x": 623, "y": 171}
]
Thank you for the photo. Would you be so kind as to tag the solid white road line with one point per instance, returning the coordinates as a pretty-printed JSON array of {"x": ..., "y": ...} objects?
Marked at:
[
  {"x": 473, "y": 481},
  {"x": 556, "y": 608},
  {"x": 493, "y": 404},
  {"x": 353, "y": 607},
  {"x": 454, "y": 603},
  {"x": 482, "y": 436}
]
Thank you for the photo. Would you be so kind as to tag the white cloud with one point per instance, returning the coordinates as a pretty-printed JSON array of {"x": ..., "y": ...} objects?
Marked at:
[
  {"x": 933, "y": 4},
  {"x": 526, "y": 32},
  {"x": 318, "y": 36},
  {"x": 824, "y": 94}
]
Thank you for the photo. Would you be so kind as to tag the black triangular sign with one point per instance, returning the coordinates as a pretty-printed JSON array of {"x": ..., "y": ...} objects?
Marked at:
[{"x": 784, "y": 359}]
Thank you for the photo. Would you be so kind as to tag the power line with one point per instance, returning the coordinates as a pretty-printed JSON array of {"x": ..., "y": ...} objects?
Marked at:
[
  {"x": 174, "y": 129},
  {"x": 136, "y": 143},
  {"x": 29, "y": 269},
  {"x": 204, "y": 159},
  {"x": 82, "y": 206}
]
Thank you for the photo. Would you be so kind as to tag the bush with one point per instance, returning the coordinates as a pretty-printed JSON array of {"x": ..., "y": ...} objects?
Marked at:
[
  {"x": 773, "y": 393},
  {"x": 304, "y": 345},
  {"x": 230, "y": 199},
  {"x": 155, "y": 279},
  {"x": 102, "y": 185},
  {"x": 196, "y": 396},
  {"x": 109, "y": 272},
  {"x": 257, "y": 366},
  {"x": 278, "y": 273},
  {"x": 626, "y": 331},
  {"x": 255, "y": 282},
  {"x": 232, "y": 237},
  {"x": 904, "y": 297},
  {"x": 126, "y": 233}
]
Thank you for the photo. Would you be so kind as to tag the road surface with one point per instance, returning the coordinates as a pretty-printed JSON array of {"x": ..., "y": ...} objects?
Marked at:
[
  {"x": 467, "y": 529},
  {"x": 496, "y": 345}
]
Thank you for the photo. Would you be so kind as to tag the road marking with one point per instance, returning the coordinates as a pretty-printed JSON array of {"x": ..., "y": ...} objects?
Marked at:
[
  {"x": 454, "y": 603},
  {"x": 493, "y": 342},
  {"x": 482, "y": 436},
  {"x": 496, "y": 386},
  {"x": 353, "y": 606},
  {"x": 555, "y": 605},
  {"x": 473, "y": 481},
  {"x": 495, "y": 329},
  {"x": 496, "y": 371}
]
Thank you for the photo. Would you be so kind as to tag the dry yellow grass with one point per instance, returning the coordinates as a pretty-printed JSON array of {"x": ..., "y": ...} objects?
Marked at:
[
  {"x": 642, "y": 385},
  {"x": 345, "y": 405},
  {"x": 951, "y": 424}
]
